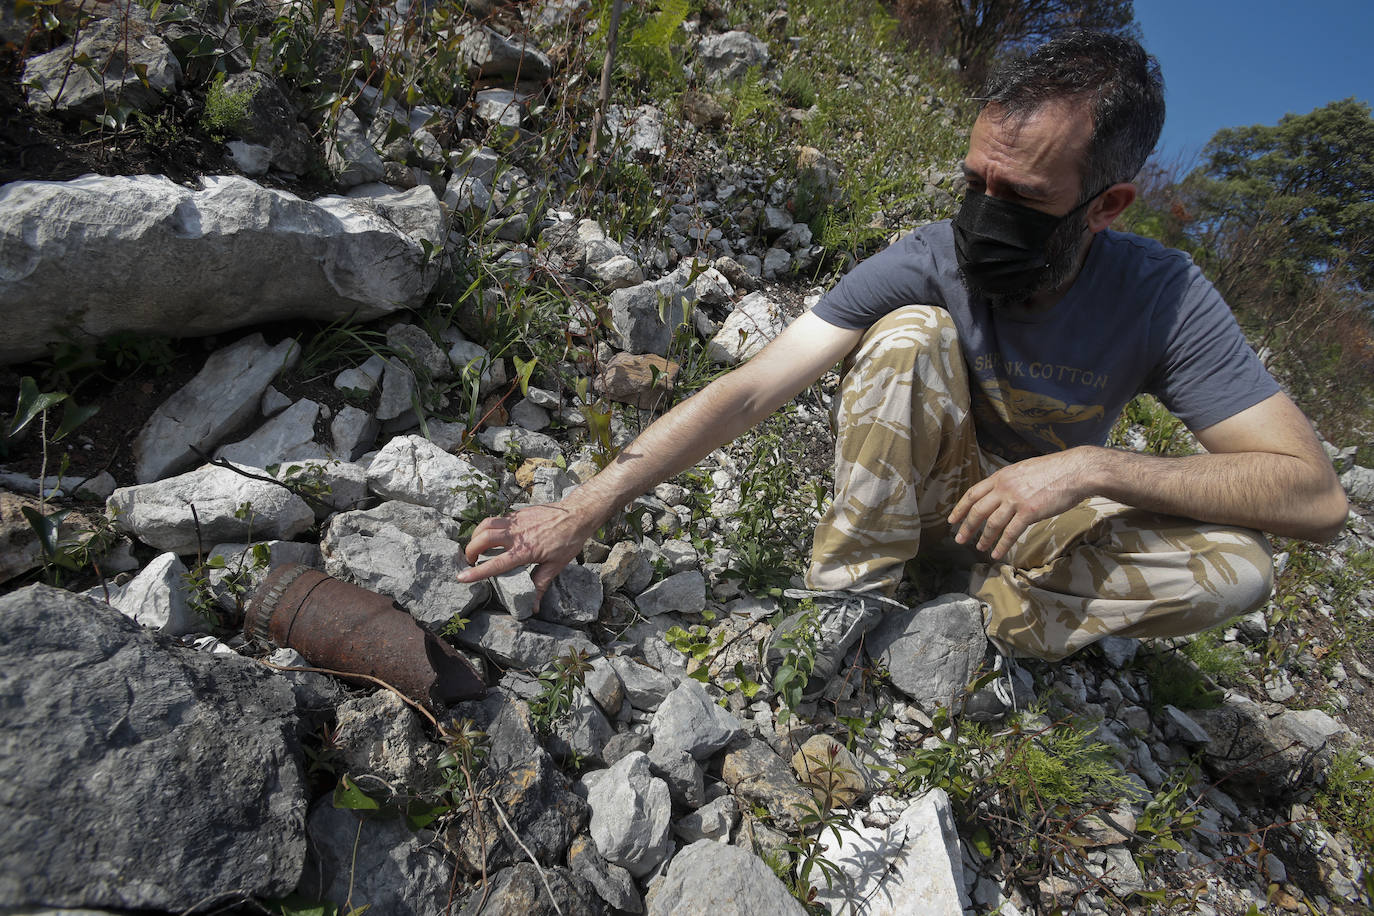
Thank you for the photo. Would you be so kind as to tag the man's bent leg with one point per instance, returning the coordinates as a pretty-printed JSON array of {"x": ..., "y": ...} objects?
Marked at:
[
  {"x": 1104, "y": 569},
  {"x": 905, "y": 451}
]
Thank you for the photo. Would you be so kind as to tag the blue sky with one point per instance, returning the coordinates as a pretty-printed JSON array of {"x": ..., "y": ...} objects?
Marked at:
[{"x": 1229, "y": 63}]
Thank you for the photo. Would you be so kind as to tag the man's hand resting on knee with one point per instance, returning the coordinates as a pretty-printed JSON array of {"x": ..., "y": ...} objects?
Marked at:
[{"x": 1008, "y": 502}]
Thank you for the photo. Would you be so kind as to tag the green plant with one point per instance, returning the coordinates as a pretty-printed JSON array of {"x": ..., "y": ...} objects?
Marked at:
[
  {"x": 807, "y": 844},
  {"x": 236, "y": 582},
  {"x": 797, "y": 647},
  {"x": 225, "y": 109},
  {"x": 1020, "y": 790},
  {"x": 1162, "y": 432},
  {"x": 648, "y": 50},
  {"x": 1343, "y": 800},
  {"x": 1185, "y": 676},
  {"x": 557, "y": 685}
]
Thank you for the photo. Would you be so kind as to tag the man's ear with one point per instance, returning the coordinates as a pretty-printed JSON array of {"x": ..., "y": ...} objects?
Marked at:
[{"x": 1109, "y": 205}]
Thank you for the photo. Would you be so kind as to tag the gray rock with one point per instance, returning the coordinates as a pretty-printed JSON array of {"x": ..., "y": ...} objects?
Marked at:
[
  {"x": 1265, "y": 759},
  {"x": 383, "y": 746},
  {"x": 139, "y": 774},
  {"x": 530, "y": 643},
  {"x": 290, "y": 434},
  {"x": 490, "y": 54},
  {"x": 398, "y": 390},
  {"x": 376, "y": 862},
  {"x": 272, "y": 122},
  {"x": 224, "y": 394},
  {"x": 1118, "y": 650},
  {"x": 535, "y": 798},
  {"x": 626, "y": 568},
  {"x": 158, "y": 598},
  {"x": 645, "y": 687},
  {"x": 316, "y": 694},
  {"x": 728, "y": 56},
  {"x": 515, "y": 591},
  {"x": 123, "y": 52},
  {"x": 605, "y": 686},
  {"x": 243, "y": 569},
  {"x": 503, "y": 439},
  {"x": 776, "y": 263},
  {"x": 415, "y": 470},
  {"x": 350, "y": 155},
  {"x": 249, "y": 158},
  {"x": 20, "y": 549},
  {"x": 637, "y": 131},
  {"x": 614, "y": 884},
  {"x": 1180, "y": 726},
  {"x": 582, "y": 733},
  {"x": 682, "y": 593},
  {"x": 689, "y": 720},
  {"x": 631, "y": 815},
  {"x": 142, "y": 254},
  {"x": 574, "y": 597},
  {"x": 160, "y": 514},
  {"x": 1359, "y": 484},
  {"x": 636, "y": 319},
  {"x": 362, "y": 379},
  {"x": 714, "y": 820},
  {"x": 911, "y": 866},
  {"x": 931, "y": 651},
  {"x": 526, "y": 890},
  {"x": 415, "y": 212},
  {"x": 712, "y": 879},
  {"x": 684, "y": 776},
  {"x": 500, "y": 106},
  {"x": 406, "y": 552},
  {"x": 527, "y": 415},
  {"x": 333, "y": 485},
  {"x": 416, "y": 347}
]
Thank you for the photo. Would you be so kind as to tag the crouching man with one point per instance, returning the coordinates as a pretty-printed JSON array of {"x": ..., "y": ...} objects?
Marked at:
[{"x": 986, "y": 359}]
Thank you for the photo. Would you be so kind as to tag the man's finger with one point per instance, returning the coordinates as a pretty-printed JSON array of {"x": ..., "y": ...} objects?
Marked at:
[
  {"x": 492, "y": 532},
  {"x": 502, "y": 563},
  {"x": 995, "y": 523},
  {"x": 1014, "y": 530}
]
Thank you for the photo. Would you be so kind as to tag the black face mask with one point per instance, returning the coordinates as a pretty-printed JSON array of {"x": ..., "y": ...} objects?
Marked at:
[{"x": 1001, "y": 246}]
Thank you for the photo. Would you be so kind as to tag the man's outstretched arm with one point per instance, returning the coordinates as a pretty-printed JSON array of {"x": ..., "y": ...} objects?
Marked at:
[
  {"x": 1264, "y": 469},
  {"x": 551, "y": 535}
]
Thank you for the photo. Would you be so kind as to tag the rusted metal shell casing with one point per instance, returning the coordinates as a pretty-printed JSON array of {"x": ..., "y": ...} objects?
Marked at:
[{"x": 355, "y": 631}]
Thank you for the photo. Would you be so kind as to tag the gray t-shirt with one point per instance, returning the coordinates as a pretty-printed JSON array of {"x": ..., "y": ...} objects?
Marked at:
[{"x": 1139, "y": 318}]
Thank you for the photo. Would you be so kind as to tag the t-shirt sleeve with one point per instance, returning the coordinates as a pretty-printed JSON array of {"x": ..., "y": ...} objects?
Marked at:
[
  {"x": 901, "y": 274},
  {"x": 1208, "y": 371}
]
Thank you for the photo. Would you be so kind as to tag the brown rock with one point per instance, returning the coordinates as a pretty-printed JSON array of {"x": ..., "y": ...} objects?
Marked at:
[
  {"x": 524, "y": 475},
  {"x": 703, "y": 111},
  {"x": 830, "y": 771},
  {"x": 19, "y": 548},
  {"x": 643, "y": 380}
]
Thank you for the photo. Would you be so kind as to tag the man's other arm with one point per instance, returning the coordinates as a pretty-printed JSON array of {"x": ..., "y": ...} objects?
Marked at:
[
  {"x": 1264, "y": 468},
  {"x": 551, "y": 535}
]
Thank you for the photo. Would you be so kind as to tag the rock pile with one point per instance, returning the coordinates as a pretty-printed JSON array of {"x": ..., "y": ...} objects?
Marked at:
[{"x": 152, "y": 762}]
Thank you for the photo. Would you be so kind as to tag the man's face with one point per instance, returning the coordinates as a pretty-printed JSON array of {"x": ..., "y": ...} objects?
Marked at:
[{"x": 1034, "y": 160}]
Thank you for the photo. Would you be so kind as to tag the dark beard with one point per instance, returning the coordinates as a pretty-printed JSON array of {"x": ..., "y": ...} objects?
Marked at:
[{"x": 1061, "y": 255}]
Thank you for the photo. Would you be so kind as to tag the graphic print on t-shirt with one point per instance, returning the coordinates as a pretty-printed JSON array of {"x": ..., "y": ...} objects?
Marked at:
[{"x": 1033, "y": 415}]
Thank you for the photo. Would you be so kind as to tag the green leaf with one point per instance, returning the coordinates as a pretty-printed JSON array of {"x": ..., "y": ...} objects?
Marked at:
[
  {"x": 73, "y": 416},
  {"x": 524, "y": 369},
  {"x": 32, "y": 403},
  {"x": 982, "y": 841},
  {"x": 347, "y": 795}
]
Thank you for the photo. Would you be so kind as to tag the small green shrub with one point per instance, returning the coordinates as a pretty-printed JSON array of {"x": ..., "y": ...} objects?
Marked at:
[
  {"x": 224, "y": 109},
  {"x": 1343, "y": 801}
]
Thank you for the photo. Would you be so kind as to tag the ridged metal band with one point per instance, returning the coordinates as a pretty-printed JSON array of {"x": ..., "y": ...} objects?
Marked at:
[{"x": 257, "y": 624}]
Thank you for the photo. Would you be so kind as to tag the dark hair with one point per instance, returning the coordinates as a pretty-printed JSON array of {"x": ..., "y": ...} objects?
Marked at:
[{"x": 1120, "y": 82}]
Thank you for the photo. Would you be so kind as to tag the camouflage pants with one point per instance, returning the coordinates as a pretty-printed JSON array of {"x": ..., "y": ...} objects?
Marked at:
[{"x": 906, "y": 451}]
